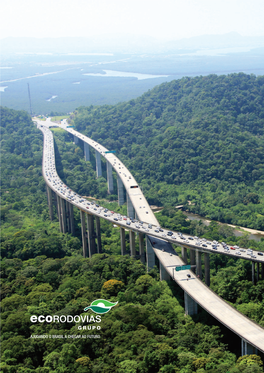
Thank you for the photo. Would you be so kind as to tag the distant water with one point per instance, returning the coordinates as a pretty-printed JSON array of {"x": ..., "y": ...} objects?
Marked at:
[
  {"x": 35, "y": 76},
  {"x": 218, "y": 51},
  {"x": 123, "y": 74},
  {"x": 52, "y": 98},
  {"x": 90, "y": 54}
]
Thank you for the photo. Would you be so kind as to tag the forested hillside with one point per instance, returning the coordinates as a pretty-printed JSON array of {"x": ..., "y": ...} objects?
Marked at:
[
  {"x": 198, "y": 139},
  {"x": 43, "y": 273}
]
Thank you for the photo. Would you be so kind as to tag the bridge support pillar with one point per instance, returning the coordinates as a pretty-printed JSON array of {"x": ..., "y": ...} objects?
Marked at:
[
  {"x": 68, "y": 222},
  {"x": 98, "y": 164},
  {"x": 76, "y": 139},
  {"x": 262, "y": 271},
  {"x": 109, "y": 178},
  {"x": 190, "y": 305},
  {"x": 253, "y": 273},
  {"x": 49, "y": 194},
  {"x": 71, "y": 216},
  {"x": 141, "y": 248},
  {"x": 63, "y": 215},
  {"x": 132, "y": 244},
  {"x": 150, "y": 255},
  {"x": 198, "y": 264},
  {"x": 120, "y": 191},
  {"x": 184, "y": 254},
  {"x": 86, "y": 148},
  {"x": 84, "y": 238},
  {"x": 98, "y": 235},
  {"x": 247, "y": 349},
  {"x": 130, "y": 208},
  {"x": 123, "y": 241},
  {"x": 91, "y": 234},
  {"x": 207, "y": 268},
  {"x": 59, "y": 211},
  {"x": 164, "y": 276},
  {"x": 192, "y": 258},
  {"x": 257, "y": 271}
]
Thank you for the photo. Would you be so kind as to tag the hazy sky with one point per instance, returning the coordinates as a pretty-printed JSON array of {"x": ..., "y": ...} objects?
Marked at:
[{"x": 165, "y": 19}]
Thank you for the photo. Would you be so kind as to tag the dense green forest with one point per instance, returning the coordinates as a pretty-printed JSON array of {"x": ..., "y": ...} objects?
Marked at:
[
  {"x": 199, "y": 139},
  {"x": 42, "y": 271},
  {"x": 146, "y": 332}
]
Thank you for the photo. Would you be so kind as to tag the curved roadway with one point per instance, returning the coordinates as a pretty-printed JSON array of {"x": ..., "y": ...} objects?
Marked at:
[{"x": 197, "y": 290}]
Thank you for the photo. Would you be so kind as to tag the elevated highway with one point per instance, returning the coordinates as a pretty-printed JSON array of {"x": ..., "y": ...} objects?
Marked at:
[{"x": 157, "y": 240}]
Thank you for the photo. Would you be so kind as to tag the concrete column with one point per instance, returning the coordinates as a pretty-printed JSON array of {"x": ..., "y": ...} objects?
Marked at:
[
  {"x": 247, "y": 349},
  {"x": 123, "y": 241},
  {"x": 49, "y": 194},
  {"x": 109, "y": 178},
  {"x": 59, "y": 211},
  {"x": 207, "y": 268},
  {"x": 262, "y": 271},
  {"x": 130, "y": 208},
  {"x": 98, "y": 164},
  {"x": 257, "y": 271},
  {"x": 164, "y": 276},
  {"x": 184, "y": 254},
  {"x": 190, "y": 305},
  {"x": 63, "y": 215},
  {"x": 71, "y": 215},
  {"x": 150, "y": 255},
  {"x": 67, "y": 210},
  {"x": 132, "y": 244},
  {"x": 253, "y": 273},
  {"x": 198, "y": 264},
  {"x": 86, "y": 148},
  {"x": 120, "y": 191},
  {"x": 98, "y": 235},
  {"x": 90, "y": 234},
  {"x": 192, "y": 259},
  {"x": 141, "y": 248},
  {"x": 84, "y": 238},
  {"x": 76, "y": 139}
]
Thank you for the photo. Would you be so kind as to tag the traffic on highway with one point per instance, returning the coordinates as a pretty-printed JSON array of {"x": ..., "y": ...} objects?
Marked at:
[{"x": 150, "y": 227}]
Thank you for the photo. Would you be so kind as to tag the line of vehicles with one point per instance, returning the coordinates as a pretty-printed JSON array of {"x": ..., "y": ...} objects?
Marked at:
[{"x": 52, "y": 178}]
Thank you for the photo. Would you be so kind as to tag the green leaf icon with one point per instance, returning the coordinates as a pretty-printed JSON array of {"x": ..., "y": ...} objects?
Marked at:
[{"x": 100, "y": 306}]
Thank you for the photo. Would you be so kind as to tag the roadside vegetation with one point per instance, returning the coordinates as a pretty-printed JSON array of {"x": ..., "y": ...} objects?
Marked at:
[
  {"x": 43, "y": 272},
  {"x": 199, "y": 139}
]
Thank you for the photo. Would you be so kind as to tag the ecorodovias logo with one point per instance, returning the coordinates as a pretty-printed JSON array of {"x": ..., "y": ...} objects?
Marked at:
[{"x": 100, "y": 306}]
